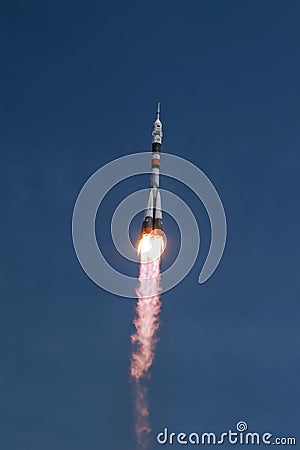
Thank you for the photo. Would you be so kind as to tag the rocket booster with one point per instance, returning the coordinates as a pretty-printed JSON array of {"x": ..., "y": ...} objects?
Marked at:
[{"x": 153, "y": 215}]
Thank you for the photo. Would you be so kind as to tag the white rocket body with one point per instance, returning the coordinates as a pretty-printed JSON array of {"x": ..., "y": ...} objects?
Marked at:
[{"x": 153, "y": 215}]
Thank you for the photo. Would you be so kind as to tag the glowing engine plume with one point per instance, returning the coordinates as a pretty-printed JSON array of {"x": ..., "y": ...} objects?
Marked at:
[{"x": 146, "y": 323}]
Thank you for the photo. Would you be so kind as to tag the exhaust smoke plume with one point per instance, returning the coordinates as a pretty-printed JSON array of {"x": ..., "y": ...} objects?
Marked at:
[{"x": 146, "y": 323}]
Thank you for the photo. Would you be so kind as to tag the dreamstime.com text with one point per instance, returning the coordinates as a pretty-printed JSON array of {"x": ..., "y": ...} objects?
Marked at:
[{"x": 239, "y": 436}]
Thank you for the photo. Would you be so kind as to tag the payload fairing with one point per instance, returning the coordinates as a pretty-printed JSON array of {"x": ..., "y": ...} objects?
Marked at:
[{"x": 153, "y": 216}]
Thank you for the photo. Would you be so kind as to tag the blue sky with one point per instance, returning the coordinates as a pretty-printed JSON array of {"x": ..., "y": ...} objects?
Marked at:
[{"x": 79, "y": 84}]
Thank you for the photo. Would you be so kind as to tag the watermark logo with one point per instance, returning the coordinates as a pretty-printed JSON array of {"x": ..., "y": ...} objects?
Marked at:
[
  {"x": 103, "y": 180},
  {"x": 239, "y": 436},
  {"x": 242, "y": 426}
]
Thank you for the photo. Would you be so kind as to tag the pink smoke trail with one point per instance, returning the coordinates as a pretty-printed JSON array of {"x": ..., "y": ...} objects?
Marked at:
[{"x": 144, "y": 339}]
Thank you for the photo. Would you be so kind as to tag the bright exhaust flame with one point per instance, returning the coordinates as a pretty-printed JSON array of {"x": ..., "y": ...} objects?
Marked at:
[
  {"x": 146, "y": 322},
  {"x": 145, "y": 244},
  {"x": 152, "y": 246}
]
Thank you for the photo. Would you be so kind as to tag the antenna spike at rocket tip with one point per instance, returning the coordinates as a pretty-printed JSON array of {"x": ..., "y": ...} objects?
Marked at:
[{"x": 158, "y": 109}]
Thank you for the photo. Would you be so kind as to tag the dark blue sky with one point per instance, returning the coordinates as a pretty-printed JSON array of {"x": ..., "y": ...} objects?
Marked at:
[{"x": 79, "y": 84}]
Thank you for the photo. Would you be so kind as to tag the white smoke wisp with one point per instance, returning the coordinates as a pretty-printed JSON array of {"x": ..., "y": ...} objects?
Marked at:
[{"x": 146, "y": 324}]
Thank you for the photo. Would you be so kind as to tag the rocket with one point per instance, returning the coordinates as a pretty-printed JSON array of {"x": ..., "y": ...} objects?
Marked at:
[{"x": 153, "y": 215}]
